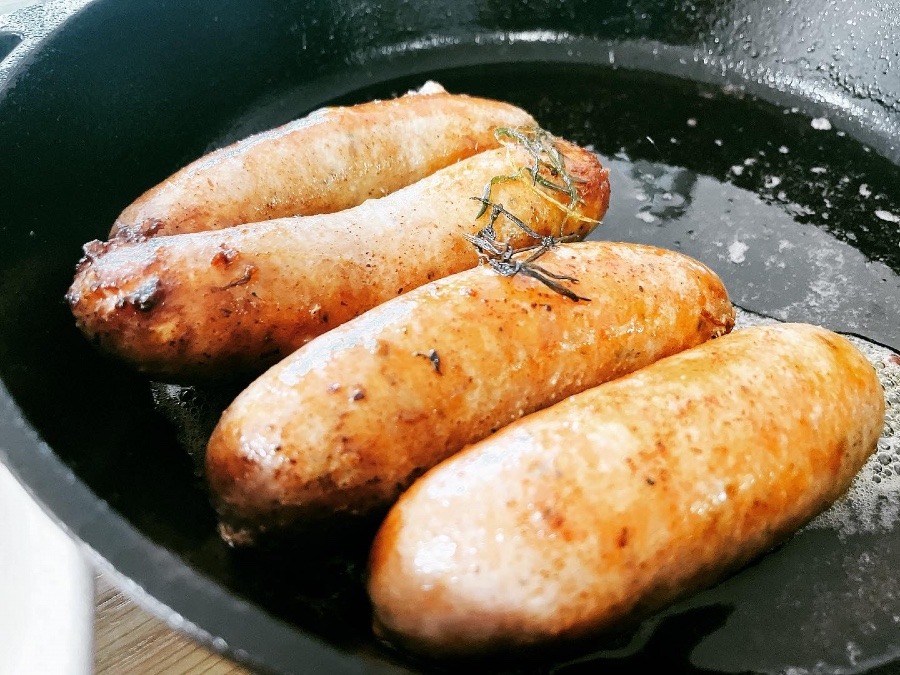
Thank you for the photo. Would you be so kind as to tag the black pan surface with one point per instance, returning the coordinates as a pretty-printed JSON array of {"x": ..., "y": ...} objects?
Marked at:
[{"x": 690, "y": 105}]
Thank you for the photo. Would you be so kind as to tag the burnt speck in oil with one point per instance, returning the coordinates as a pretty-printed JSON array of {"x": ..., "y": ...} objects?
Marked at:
[{"x": 358, "y": 394}]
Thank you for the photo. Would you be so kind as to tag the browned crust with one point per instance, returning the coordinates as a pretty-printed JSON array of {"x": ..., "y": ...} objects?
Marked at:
[{"x": 621, "y": 499}]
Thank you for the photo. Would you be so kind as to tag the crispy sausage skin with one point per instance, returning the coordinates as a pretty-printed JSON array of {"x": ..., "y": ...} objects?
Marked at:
[
  {"x": 333, "y": 159},
  {"x": 622, "y": 498},
  {"x": 351, "y": 419},
  {"x": 212, "y": 304}
]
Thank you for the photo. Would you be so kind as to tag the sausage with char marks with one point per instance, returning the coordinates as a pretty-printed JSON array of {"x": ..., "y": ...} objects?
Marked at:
[
  {"x": 221, "y": 304},
  {"x": 347, "y": 422}
]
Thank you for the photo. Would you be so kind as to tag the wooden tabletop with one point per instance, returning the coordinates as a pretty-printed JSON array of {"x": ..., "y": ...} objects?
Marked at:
[{"x": 128, "y": 640}]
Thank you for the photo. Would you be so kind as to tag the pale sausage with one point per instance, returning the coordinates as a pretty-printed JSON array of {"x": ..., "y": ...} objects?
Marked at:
[{"x": 333, "y": 159}]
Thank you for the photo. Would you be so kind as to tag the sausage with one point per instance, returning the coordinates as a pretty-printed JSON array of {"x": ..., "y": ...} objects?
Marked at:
[
  {"x": 621, "y": 499},
  {"x": 333, "y": 159},
  {"x": 346, "y": 423},
  {"x": 210, "y": 304},
  {"x": 197, "y": 305}
]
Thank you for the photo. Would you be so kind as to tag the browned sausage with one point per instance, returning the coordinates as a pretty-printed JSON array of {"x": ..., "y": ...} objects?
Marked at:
[
  {"x": 622, "y": 498},
  {"x": 331, "y": 160},
  {"x": 213, "y": 304},
  {"x": 347, "y": 422}
]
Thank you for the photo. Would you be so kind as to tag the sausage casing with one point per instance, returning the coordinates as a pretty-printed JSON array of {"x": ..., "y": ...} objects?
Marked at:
[
  {"x": 348, "y": 421},
  {"x": 622, "y": 498},
  {"x": 333, "y": 159},
  {"x": 217, "y": 304}
]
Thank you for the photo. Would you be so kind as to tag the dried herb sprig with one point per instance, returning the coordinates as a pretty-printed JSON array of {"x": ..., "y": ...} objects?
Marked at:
[
  {"x": 546, "y": 159},
  {"x": 506, "y": 259},
  {"x": 548, "y": 165}
]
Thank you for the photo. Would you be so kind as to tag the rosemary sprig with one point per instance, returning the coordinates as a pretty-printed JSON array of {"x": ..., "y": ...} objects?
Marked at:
[
  {"x": 541, "y": 146},
  {"x": 506, "y": 260},
  {"x": 501, "y": 255}
]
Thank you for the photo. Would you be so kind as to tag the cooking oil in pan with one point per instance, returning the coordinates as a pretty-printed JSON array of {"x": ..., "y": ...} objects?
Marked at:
[{"x": 802, "y": 223}]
